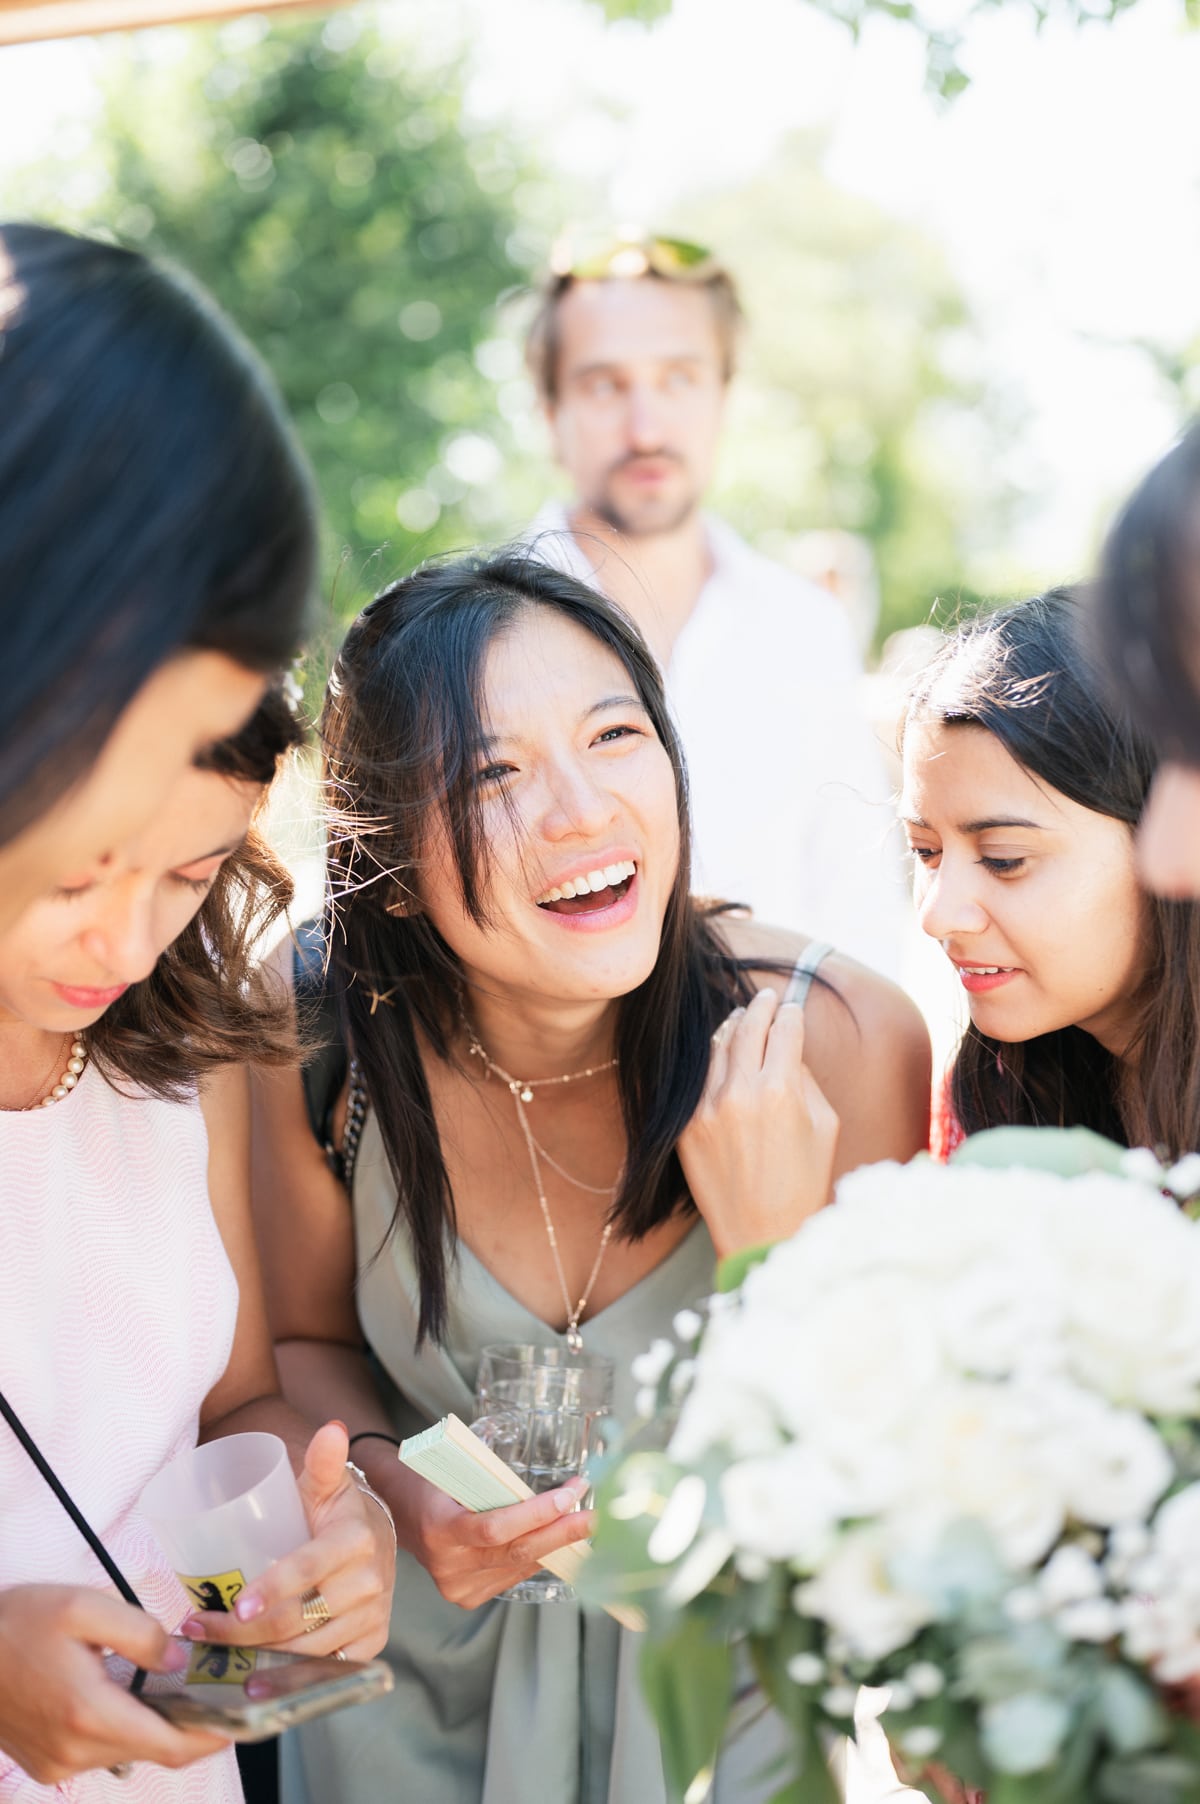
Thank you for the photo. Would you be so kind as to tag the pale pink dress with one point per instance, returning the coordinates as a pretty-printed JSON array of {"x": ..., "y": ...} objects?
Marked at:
[{"x": 119, "y": 1306}]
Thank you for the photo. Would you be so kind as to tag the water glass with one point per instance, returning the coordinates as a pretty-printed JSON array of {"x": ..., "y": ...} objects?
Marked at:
[
  {"x": 223, "y": 1512},
  {"x": 543, "y": 1411}
]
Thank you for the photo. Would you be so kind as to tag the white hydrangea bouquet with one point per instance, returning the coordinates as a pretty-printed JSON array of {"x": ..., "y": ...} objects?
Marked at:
[{"x": 944, "y": 1440}]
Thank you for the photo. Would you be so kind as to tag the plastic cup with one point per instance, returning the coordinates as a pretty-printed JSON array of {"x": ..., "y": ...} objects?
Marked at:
[{"x": 223, "y": 1512}]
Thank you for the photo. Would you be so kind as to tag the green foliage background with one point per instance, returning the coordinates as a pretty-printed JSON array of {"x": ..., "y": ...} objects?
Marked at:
[{"x": 321, "y": 174}]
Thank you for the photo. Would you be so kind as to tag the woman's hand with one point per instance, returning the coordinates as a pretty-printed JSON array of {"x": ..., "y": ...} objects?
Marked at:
[
  {"x": 60, "y": 1712},
  {"x": 758, "y": 1153},
  {"x": 350, "y": 1561},
  {"x": 473, "y": 1556}
]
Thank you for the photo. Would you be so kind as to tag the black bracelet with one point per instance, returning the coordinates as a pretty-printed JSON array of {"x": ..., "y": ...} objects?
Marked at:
[{"x": 373, "y": 1434}]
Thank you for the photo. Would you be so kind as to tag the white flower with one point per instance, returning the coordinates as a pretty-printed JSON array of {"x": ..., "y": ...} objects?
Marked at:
[
  {"x": 1142, "y": 1166},
  {"x": 838, "y": 1700},
  {"x": 854, "y": 1594},
  {"x": 1069, "y": 1576},
  {"x": 1112, "y": 1465},
  {"x": 925, "y": 1680},
  {"x": 900, "y": 1696},
  {"x": 806, "y": 1669},
  {"x": 1183, "y": 1179},
  {"x": 687, "y": 1324},
  {"x": 1092, "y": 1619},
  {"x": 785, "y": 1506},
  {"x": 921, "y": 1741},
  {"x": 980, "y": 1448},
  {"x": 648, "y": 1367},
  {"x": 752, "y": 1567}
]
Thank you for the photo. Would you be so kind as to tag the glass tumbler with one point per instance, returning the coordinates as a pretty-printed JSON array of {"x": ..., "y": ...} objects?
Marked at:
[{"x": 543, "y": 1411}]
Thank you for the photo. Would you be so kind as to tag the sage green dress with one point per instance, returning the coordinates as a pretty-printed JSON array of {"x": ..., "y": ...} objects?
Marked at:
[{"x": 509, "y": 1702}]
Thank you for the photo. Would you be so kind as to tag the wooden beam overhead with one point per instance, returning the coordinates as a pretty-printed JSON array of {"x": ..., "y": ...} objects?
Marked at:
[{"x": 23, "y": 21}]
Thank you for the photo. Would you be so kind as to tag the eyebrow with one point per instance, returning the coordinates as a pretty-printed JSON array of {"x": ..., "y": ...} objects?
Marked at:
[
  {"x": 490, "y": 741},
  {"x": 984, "y": 826},
  {"x": 609, "y": 365}
]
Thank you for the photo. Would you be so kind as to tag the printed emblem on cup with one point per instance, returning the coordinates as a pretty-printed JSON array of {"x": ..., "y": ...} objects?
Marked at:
[{"x": 215, "y": 1593}]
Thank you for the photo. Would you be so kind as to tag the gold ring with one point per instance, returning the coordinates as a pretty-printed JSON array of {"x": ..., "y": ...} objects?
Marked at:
[
  {"x": 339, "y": 1653},
  {"x": 314, "y": 1611}
]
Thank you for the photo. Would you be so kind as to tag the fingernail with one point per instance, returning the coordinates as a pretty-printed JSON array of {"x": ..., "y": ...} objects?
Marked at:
[
  {"x": 338, "y": 1423},
  {"x": 248, "y": 1606},
  {"x": 570, "y": 1493},
  {"x": 176, "y": 1657},
  {"x": 767, "y": 991},
  {"x": 193, "y": 1628}
]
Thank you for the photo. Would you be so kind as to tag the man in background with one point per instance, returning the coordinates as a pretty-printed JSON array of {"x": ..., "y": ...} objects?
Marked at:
[{"x": 632, "y": 354}]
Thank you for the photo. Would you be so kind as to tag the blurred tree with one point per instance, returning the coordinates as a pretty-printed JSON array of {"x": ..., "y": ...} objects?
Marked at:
[
  {"x": 320, "y": 179},
  {"x": 941, "y": 28},
  {"x": 861, "y": 405}
]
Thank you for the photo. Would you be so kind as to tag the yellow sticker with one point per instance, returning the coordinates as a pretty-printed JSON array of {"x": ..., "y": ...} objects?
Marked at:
[
  {"x": 215, "y": 1593},
  {"x": 213, "y": 1665}
]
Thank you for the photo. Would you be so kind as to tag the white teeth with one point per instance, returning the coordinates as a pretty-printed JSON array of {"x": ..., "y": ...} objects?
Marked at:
[{"x": 591, "y": 883}]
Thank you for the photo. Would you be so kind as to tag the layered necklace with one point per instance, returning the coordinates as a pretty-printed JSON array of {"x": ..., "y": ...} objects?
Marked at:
[{"x": 523, "y": 1091}]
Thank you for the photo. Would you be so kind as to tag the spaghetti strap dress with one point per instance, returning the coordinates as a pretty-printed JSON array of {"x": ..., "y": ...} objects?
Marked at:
[{"x": 508, "y": 1702}]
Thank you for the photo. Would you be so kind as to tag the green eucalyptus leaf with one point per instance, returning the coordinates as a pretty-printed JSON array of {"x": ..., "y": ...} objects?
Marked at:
[
  {"x": 687, "y": 1678},
  {"x": 1067, "y": 1152}
]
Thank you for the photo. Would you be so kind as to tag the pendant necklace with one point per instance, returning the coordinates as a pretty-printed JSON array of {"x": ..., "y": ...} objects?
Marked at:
[{"x": 522, "y": 1092}]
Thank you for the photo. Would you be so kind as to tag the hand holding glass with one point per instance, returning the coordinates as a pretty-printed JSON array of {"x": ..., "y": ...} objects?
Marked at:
[{"x": 542, "y": 1410}]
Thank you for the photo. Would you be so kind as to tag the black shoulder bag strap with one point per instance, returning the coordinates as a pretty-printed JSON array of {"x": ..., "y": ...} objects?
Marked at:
[
  {"x": 324, "y": 1070},
  {"x": 77, "y": 1517}
]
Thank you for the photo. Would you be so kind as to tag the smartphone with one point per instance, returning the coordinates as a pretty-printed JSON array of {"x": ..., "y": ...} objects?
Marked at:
[{"x": 249, "y": 1693}]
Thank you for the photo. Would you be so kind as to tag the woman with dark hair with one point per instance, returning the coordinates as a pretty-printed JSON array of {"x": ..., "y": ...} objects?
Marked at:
[
  {"x": 1022, "y": 790},
  {"x": 541, "y": 1138},
  {"x": 133, "y": 1305},
  {"x": 1146, "y": 618},
  {"x": 157, "y": 546}
]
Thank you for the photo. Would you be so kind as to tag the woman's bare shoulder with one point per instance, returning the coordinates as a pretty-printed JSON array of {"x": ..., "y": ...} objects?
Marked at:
[{"x": 873, "y": 1001}]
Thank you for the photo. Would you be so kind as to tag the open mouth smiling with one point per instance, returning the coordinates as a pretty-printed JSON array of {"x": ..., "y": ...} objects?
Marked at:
[{"x": 589, "y": 891}]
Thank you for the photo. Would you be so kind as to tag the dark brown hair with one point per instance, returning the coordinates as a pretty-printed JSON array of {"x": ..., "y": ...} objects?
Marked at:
[
  {"x": 207, "y": 1003},
  {"x": 543, "y": 344},
  {"x": 1146, "y": 610},
  {"x": 1025, "y": 674},
  {"x": 400, "y": 731}
]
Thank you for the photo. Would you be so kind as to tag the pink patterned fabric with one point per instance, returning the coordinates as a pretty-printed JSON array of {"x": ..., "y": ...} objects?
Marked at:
[{"x": 119, "y": 1311}]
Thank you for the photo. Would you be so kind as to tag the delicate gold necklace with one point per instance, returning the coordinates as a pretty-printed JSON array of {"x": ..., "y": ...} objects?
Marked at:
[
  {"x": 68, "y": 1080},
  {"x": 522, "y": 1092}
]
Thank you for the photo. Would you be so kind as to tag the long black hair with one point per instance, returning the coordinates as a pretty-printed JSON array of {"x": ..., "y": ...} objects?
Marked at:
[
  {"x": 1146, "y": 607},
  {"x": 151, "y": 499},
  {"x": 400, "y": 731},
  {"x": 1026, "y": 674}
]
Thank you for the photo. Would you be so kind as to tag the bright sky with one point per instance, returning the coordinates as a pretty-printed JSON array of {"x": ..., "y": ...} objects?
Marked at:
[{"x": 1065, "y": 184}]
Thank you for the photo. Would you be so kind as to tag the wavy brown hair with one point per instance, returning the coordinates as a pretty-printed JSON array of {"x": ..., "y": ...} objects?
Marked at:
[
  {"x": 1025, "y": 674},
  {"x": 207, "y": 1002}
]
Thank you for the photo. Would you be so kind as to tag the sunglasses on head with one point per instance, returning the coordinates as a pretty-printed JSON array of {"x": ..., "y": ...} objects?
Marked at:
[{"x": 624, "y": 258}]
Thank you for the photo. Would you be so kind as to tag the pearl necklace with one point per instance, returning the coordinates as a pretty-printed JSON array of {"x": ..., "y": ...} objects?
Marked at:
[
  {"x": 522, "y": 1092},
  {"x": 68, "y": 1080}
]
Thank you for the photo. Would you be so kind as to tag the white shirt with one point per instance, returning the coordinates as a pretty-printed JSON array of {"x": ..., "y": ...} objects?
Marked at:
[{"x": 790, "y": 804}]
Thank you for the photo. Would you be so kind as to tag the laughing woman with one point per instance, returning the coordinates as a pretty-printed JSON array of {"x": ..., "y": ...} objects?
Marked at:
[
  {"x": 1022, "y": 791},
  {"x": 535, "y": 1134}
]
